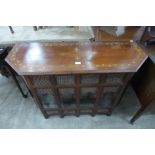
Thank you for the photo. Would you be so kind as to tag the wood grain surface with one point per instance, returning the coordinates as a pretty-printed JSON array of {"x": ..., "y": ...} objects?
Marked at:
[{"x": 68, "y": 58}]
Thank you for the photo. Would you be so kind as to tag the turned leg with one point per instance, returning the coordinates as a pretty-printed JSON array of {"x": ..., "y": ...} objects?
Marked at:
[{"x": 138, "y": 114}]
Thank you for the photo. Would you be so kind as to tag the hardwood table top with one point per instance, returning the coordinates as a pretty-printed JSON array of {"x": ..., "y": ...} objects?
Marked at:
[{"x": 68, "y": 58}]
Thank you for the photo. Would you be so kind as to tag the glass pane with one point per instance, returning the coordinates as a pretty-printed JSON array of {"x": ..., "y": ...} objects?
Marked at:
[
  {"x": 114, "y": 78},
  {"x": 110, "y": 89},
  {"x": 88, "y": 97},
  {"x": 47, "y": 98},
  {"x": 90, "y": 79},
  {"x": 106, "y": 100},
  {"x": 65, "y": 79},
  {"x": 68, "y": 97}
]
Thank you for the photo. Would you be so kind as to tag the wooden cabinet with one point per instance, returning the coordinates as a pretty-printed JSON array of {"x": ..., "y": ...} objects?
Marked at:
[{"x": 76, "y": 78}]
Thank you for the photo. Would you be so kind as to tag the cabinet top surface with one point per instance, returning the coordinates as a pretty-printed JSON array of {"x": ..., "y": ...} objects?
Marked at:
[{"x": 72, "y": 58}]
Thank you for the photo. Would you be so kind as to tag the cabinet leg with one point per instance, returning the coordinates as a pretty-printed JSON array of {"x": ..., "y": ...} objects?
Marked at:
[
  {"x": 35, "y": 28},
  {"x": 45, "y": 115},
  {"x": 11, "y": 29},
  {"x": 62, "y": 116},
  {"x": 92, "y": 114},
  {"x": 108, "y": 114},
  {"x": 77, "y": 113},
  {"x": 92, "y": 39},
  {"x": 138, "y": 114},
  {"x": 17, "y": 83}
]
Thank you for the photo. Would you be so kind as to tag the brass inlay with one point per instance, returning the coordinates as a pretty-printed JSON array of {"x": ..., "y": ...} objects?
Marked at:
[
  {"x": 77, "y": 49},
  {"x": 62, "y": 54},
  {"x": 137, "y": 59}
]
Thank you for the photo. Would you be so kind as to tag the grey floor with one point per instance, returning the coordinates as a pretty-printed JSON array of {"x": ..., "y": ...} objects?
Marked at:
[
  {"x": 48, "y": 34},
  {"x": 18, "y": 112}
]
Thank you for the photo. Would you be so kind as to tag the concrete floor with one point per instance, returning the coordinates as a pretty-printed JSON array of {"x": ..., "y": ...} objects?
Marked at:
[
  {"x": 50, "y": 33},
  {"x": 18, "y": 112}
]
